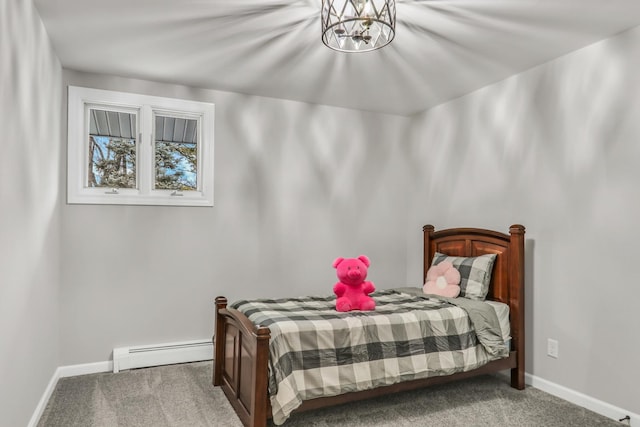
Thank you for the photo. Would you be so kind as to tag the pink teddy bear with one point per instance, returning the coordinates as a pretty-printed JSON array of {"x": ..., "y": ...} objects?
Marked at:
[
  {"x": 352, "y": 290},
  {"x": 442, "y": 279}
]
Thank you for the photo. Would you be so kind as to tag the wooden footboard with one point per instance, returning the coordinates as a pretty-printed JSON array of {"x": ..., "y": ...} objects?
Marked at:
[
  {"x": 240, "y": 364},
  {"x": 242, "y": 349}
]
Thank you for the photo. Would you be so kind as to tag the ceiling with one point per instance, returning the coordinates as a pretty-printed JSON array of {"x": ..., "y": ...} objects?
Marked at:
[{"x": 443, "y": 48}]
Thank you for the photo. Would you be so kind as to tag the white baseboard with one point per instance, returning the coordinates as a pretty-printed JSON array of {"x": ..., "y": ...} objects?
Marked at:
[
  {"x": 62, "y": 372},
  {"x": 580, "y": 399},
  {"x": 85, "y": 368},
  {"x": 184, "y": 354},
  {"x": 44, "y": 399}
]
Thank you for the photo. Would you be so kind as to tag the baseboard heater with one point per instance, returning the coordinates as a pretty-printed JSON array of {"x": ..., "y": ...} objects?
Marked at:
[{"x": 161, "y": 354}]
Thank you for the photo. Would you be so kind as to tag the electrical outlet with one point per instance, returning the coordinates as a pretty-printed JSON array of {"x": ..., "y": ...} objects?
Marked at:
[{"x": 552, "y": 348}]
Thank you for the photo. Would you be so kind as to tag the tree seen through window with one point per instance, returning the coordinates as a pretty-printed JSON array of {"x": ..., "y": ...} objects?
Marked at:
[
  {"x": 176, "y": 153},
  {"x": 112, "y": 162}
]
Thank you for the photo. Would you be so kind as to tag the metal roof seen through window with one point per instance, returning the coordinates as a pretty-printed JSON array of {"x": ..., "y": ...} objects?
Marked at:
[{"x": 116, "y": 124}]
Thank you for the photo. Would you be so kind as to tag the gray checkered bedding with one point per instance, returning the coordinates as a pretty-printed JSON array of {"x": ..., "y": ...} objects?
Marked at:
[{"x": 316, "y": 351}]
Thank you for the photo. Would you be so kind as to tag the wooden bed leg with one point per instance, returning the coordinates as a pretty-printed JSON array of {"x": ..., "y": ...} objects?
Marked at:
[
  {"x": 218, "y": 341},
  {"x": 517, "y": 378}
]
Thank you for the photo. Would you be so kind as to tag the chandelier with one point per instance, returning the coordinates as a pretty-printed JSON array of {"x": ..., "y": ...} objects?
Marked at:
[{"x": 358, "y": 25}]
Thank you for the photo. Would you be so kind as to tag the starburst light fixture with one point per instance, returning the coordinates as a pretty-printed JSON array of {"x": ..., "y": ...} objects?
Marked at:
[{"x": 358, "y": 25}]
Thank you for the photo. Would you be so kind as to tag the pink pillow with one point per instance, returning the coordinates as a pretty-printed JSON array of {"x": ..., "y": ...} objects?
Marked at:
[{"x": 442, "y": 279}]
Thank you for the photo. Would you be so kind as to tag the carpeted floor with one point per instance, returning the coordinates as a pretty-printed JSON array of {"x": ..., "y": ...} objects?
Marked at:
[{"x": 182, "y": 396}]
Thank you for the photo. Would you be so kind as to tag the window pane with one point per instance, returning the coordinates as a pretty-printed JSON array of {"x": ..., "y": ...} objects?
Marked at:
[
  {"x": 112, "y": 149},
  {"x": 176, "y": 153}
]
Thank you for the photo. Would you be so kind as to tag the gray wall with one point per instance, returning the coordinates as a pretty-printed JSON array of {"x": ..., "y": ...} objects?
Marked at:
[
  {"x": 556, "y": 149},
  {"x": 30, "y": 77},
  {"x": 297, "y": 185}
]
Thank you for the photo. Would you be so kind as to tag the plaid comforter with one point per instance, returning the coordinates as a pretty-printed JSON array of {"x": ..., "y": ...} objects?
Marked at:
[{"x": 316, "y": 351}]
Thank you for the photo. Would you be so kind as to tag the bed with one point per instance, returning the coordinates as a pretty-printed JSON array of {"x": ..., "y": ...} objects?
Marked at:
[{"x": 242, "y": 349}]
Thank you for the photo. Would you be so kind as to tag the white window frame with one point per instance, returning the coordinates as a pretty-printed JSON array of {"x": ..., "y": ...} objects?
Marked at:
[{"x": 81, "y": 99}]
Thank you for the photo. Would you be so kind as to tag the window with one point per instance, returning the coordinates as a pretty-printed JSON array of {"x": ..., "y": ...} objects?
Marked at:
[{"x": 134, "y": 149}]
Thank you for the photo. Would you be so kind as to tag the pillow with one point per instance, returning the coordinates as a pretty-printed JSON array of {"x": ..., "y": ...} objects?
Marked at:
[
  {"x": 475, "y": 273},
  {"x": 442, "y": 279}
]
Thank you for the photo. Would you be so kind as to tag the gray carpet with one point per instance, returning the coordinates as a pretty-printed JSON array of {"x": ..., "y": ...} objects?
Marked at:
[{"x": 182, "y": 396}]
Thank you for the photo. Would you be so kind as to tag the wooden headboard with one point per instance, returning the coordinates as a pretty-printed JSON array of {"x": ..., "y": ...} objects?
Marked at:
[{"x": 507, "y": 277}]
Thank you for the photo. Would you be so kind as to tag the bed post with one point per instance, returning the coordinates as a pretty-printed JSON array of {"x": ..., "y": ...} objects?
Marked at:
[
  {"x": 516, "y": 300},
  {"x": 218, "y": 350},
  {"x": 426, "y": 256},
  {"x": 260, "y": 380}
]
